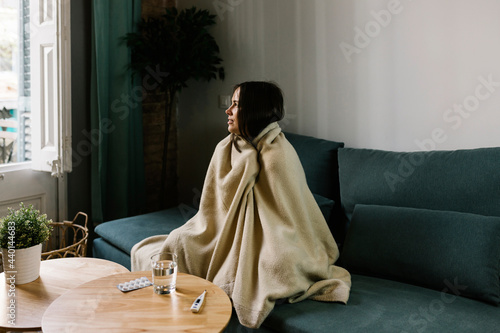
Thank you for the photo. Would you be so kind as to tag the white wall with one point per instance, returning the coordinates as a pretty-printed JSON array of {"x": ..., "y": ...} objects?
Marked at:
[{"x": 395, "y": 75}]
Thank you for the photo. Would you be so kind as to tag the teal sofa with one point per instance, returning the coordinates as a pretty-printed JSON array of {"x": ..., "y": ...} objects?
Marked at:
[{"x": 419, "y": 232}]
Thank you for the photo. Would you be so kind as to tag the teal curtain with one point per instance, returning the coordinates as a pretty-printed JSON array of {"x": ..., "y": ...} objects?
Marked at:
[{"x": 117, "y": 172}]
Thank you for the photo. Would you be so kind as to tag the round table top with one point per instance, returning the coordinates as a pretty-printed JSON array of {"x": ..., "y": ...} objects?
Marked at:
[
  {"x": 27, "y": 302},
  {"x": 99, "y": 306}
]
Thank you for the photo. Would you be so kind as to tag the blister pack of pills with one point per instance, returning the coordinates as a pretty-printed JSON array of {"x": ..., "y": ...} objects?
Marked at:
[{"x": 134, "y": 284}]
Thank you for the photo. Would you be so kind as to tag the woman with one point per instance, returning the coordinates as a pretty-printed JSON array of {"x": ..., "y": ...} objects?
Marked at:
[{"x": 259, "y": 234}]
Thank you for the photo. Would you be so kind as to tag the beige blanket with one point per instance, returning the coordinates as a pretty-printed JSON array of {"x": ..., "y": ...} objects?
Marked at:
[{"x": 259, "y": 234}]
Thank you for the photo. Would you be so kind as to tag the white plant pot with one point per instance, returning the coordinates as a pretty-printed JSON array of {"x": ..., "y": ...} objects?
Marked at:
[{"x": 23, "y": 264}]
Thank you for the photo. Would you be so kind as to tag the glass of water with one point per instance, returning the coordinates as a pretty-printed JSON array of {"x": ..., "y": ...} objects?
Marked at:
[{"x": 164, "y": 267}]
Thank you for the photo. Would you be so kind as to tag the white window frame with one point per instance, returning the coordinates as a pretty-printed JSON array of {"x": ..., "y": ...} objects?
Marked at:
[{"x": 50, "y": 45}]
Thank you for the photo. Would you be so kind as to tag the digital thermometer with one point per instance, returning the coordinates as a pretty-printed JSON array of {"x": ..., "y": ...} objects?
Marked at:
[{"x": 198, "y": 303}]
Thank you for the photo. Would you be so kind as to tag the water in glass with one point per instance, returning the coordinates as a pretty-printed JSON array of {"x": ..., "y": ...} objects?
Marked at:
[{"x": 164, "y": 276}]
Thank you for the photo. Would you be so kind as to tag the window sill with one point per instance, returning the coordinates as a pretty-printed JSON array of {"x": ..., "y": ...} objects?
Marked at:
[{"x": 15, "y": 166}]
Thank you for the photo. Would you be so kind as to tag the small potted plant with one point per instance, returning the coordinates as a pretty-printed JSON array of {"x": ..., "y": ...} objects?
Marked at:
[{"x": 22, "y": 233}]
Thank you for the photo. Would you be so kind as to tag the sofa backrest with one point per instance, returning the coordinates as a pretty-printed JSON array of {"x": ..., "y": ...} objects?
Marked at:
[
  {"x": 427, "y": 218},
  {"x": 462, "y": 180},
  {"x": 319, "y": 160},
  {"x": 320, "y": 163}
]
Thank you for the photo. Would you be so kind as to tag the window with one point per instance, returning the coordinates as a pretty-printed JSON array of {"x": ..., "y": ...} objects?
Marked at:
[{"x": 35, "y": 90}]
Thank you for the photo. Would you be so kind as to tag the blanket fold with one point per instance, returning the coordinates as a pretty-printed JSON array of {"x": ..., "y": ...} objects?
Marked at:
[{"x": 259, "y": 234}]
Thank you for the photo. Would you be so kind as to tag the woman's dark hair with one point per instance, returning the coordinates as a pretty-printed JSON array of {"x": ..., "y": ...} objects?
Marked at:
[{"x": 260, "y": 104}]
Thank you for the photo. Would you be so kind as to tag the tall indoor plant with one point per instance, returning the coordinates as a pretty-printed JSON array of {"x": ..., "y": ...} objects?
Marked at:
[
  {"x": 169, "y": 50},
  {"x": 22, "y": 233}
]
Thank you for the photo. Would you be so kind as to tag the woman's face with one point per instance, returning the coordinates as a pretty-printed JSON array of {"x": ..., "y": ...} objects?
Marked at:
[{"x": 232, "y": 114}]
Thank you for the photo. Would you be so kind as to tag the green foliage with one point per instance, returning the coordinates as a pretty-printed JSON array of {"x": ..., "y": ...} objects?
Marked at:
[
  {"x": 24, "y": 228},
  {"x": 177, "y": 45}
]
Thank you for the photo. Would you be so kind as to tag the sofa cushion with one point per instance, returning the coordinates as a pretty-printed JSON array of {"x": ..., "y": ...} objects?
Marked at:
[
  {"x": 325, "y": 204},
  {"x": 319, "y": 160},
  {"x": 460, "y": 180},
  {"x": 126, "y": 232},
  {"x": 433, "y": 249},
  {"x": 379, "y": 305},
  {"x": 103, "y": 250}
]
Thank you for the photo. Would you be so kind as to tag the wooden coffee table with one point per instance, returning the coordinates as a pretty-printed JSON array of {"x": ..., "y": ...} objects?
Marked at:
[
  {"x": 98, "y": 306},
  {"x": 56, "y": 277}
]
